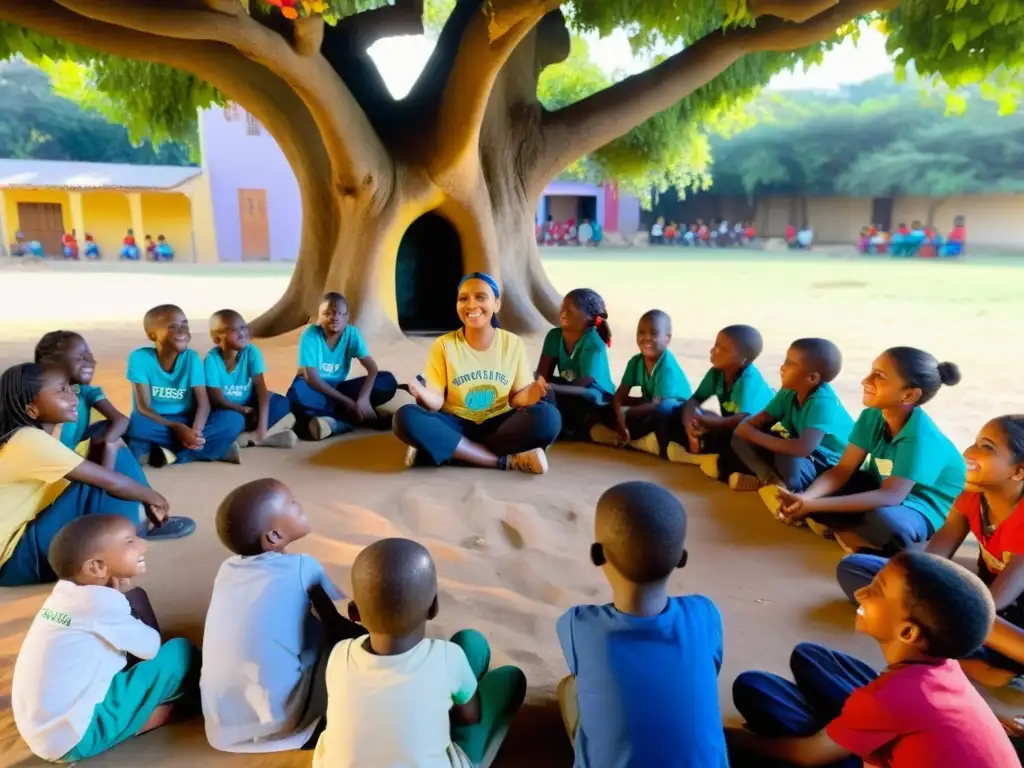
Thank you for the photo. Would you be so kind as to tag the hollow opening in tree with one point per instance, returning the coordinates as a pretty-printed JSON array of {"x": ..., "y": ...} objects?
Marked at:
[{"x": 427, "y": 275}]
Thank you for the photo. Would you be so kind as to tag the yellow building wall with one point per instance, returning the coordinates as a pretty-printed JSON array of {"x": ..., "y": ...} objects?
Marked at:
[
  {"x": 107, "y": 219},
  {"x": 170, "y": 215},
  {"x": 204, "y": 227},
  {"x": 15, "y": 196}
]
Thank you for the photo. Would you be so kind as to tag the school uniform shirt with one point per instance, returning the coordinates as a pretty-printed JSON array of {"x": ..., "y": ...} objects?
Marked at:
[
  {"x": 476, "y": 383},
  {"x": 588, "y": 358},
  {"x": 998, "y": 544},
  {"x": 72, "y": 433},
  {"x": 822, "y": 410},
  {"x": 750, "y": 393},
  {"x": 922, "y": 715},
  {"x": 921, "y": 453},
  {"x": 392, "y": 711},
  {"x": 647, "y": 686},
  {"x": 169, "y": 392},
  {"x": 75, "y": 646},
  {"x": 260, "y": 648},
  {"x": 333, "y": 365},
  {"x": 33, "y": 465},
  {"x": 666, "y": 379},
  {"x": 236, "y": 385}
]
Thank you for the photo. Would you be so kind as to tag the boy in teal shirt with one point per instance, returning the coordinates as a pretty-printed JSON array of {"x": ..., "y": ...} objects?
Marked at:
[
  {"x": 234, "y": 371},
  {"x": 638, "y": 421},
  {"x": 703, "y": 438},
  {"x": 171, "y": 420},
  {"x": 324, "y": 400},
  {"x": 803, "y": 431},
  {"x": 574, "y": 362}
]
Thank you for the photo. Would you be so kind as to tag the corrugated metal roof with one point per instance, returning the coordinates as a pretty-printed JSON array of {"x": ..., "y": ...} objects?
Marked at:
[{"x": 69, "y": 175}]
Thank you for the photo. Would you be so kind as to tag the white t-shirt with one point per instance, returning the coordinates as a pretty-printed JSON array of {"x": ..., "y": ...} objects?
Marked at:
[
  {"x": 75, "y": 646},
  {"x": 392, "y": 711},
  {"x": 260, "y": 647}
]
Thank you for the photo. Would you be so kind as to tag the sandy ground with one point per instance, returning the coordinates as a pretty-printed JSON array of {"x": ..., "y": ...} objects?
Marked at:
[{"x": 512, "y": 550}]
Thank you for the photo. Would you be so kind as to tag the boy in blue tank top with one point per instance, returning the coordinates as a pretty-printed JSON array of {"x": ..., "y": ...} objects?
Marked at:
[
  {"x": 704, "y": 438},
  {"x": 171, "y": 420},
  {"x": 234, "y": 371},
  {"x": 324, "y": 400},
  {"x": 643, "y": 689},
  {"x": 802, "y": 432}
]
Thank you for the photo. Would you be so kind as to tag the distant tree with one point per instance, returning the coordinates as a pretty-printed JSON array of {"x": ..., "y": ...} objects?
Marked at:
[{"x": 37, "y": 123}]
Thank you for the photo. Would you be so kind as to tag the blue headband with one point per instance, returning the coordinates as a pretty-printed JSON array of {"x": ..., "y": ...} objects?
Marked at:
[{"x": 494, "y": 287}]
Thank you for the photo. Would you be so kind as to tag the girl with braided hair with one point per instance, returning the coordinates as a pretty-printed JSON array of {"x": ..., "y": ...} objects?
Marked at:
[
  {"x": 574, "y": 361},
  {"x": 44, "y": 484}
]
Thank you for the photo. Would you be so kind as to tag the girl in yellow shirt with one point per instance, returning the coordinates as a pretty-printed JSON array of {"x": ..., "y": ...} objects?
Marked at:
[
  {"x": 44, "y": 484},
  {"x": 478, "y": 402}
]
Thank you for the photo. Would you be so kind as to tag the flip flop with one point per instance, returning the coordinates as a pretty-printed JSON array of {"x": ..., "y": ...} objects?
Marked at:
[{"x": 173, "y": 528}]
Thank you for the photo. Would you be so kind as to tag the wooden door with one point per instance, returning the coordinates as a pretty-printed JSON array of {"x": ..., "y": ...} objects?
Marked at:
[
  {"x": 43, "y": 222},
  {"x": 252, "y": 214}
]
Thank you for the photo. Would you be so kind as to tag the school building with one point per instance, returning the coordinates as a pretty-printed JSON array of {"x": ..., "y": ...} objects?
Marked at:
[{"x": 564, "y": 200}]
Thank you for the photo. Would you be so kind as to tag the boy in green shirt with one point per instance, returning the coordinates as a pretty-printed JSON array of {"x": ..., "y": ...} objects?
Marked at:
[
  {"x": 703, "y": 438},
  {"x": 663, "y": 389},
  {"x": 803, "y": 431}
]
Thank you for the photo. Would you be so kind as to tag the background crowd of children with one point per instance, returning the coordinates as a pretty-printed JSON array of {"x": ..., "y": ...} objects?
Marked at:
[{"x": 915, "y": 240}]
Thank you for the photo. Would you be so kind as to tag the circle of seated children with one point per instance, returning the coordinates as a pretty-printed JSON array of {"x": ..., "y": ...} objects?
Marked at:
[{"x": 799, "y": 448}]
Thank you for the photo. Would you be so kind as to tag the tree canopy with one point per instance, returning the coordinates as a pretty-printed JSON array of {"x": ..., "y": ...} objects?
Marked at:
[{"x": 876, "y": 139}]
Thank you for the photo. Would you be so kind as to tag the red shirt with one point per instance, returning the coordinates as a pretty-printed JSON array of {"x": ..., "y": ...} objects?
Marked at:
[
  {"x": 790, "y": 232},
  {"x": 922, "y": 715},
  {"x": 996, "y": 546},
  {"x": 959, "y": 234}
]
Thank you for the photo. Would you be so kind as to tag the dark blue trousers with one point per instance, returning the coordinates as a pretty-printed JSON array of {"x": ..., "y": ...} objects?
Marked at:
[
  {"x": 436, "y": 435},
  {"x": 307, "y": 403},
  {"x": 857, "y": 571},
  {"x": 776, "y": 708},
  {"x": 29, "y": 564},
  {"x": 579, "y": 410},
  {"x": 279, "y": 408},
  {"x": 222, "y": 429},
  {"x": 796, "y": 473}
]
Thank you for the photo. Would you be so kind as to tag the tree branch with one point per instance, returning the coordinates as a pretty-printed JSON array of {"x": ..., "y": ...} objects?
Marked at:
[
  {"x": 797, "y": 11},
  {"x": 591, "y": 123},
  {"x": 309, "y": 35},
  {"x": 405, "y": 17},
  {"x": 486, "y": 44},
  {"x": 358, "y": 158}
]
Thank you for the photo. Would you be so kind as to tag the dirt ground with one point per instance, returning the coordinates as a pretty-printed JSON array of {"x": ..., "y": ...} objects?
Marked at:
[{"x": 511, "y": 550}]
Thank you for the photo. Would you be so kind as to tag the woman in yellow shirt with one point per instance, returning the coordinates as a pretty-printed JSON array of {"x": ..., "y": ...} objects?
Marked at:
[
  {"x": 44, "y": 484},
  {"x": 478, "y": 402}
]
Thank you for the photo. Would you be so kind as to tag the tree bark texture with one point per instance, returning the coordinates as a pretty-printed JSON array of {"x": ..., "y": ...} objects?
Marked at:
[{"x": 471, "y": 143}]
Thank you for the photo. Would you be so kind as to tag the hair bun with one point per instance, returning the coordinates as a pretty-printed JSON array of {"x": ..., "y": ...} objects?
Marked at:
[{"x": 949, "y": 374}]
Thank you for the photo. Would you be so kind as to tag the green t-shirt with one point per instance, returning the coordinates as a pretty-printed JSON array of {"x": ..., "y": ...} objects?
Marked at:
[
  {"x": 666, "y": 380},
  {"x": 921, "y": 453},
  {"x": 822, "y": 411},
  {"x": 588, "y": 358},
  {"x": 750, "y": 393},
  {"x": 72, "y": 434}
]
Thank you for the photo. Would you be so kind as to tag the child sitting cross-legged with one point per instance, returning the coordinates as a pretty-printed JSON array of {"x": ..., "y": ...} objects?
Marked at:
[
  {"x": 325, "y": 401},
  {"x": 92, "y": 671},
  {"x": 235, "y": 382},
  {"x": 925, "y": 612},
  {"x": 399, "y": 698},
  {"x": 265, "y": 652},
  {"x": 637, "y": 421},
  {"x": 704, "y": 438},
  {"x": 644, "y": 685},
  {"x": 171, "y": 419},
  {"x": 802, "y": 432}
]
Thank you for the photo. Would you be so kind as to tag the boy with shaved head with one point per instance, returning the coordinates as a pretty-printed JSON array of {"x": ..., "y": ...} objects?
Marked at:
[
  {"x": 235, "y": 382},
  {"x": 264, "y": 650},
  {"x": 644, "y": 685},
  {"x": 398, "y": 697}
]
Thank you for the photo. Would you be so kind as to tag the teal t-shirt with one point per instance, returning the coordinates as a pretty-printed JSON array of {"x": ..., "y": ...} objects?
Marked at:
[
  {"x": 169, "y": 393},
  {"x": 666, "y": 380},
  {"x": 822, "y": 411},
  {"x": 72, "y": 434},
  {"x": 921, "y": 453},
  {"x": 750, "y": 393},
  {"x": 236, "y": 385},
  {"x": 332, "y": 364},
  {"x": 588, "y": 358}
]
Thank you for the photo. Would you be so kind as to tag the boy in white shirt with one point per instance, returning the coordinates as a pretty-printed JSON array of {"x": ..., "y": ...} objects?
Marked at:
[
  {"x": 77, "y": 689},
  {"x": 398, "y": 698},
  {"x": 265, "y": 653}
]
